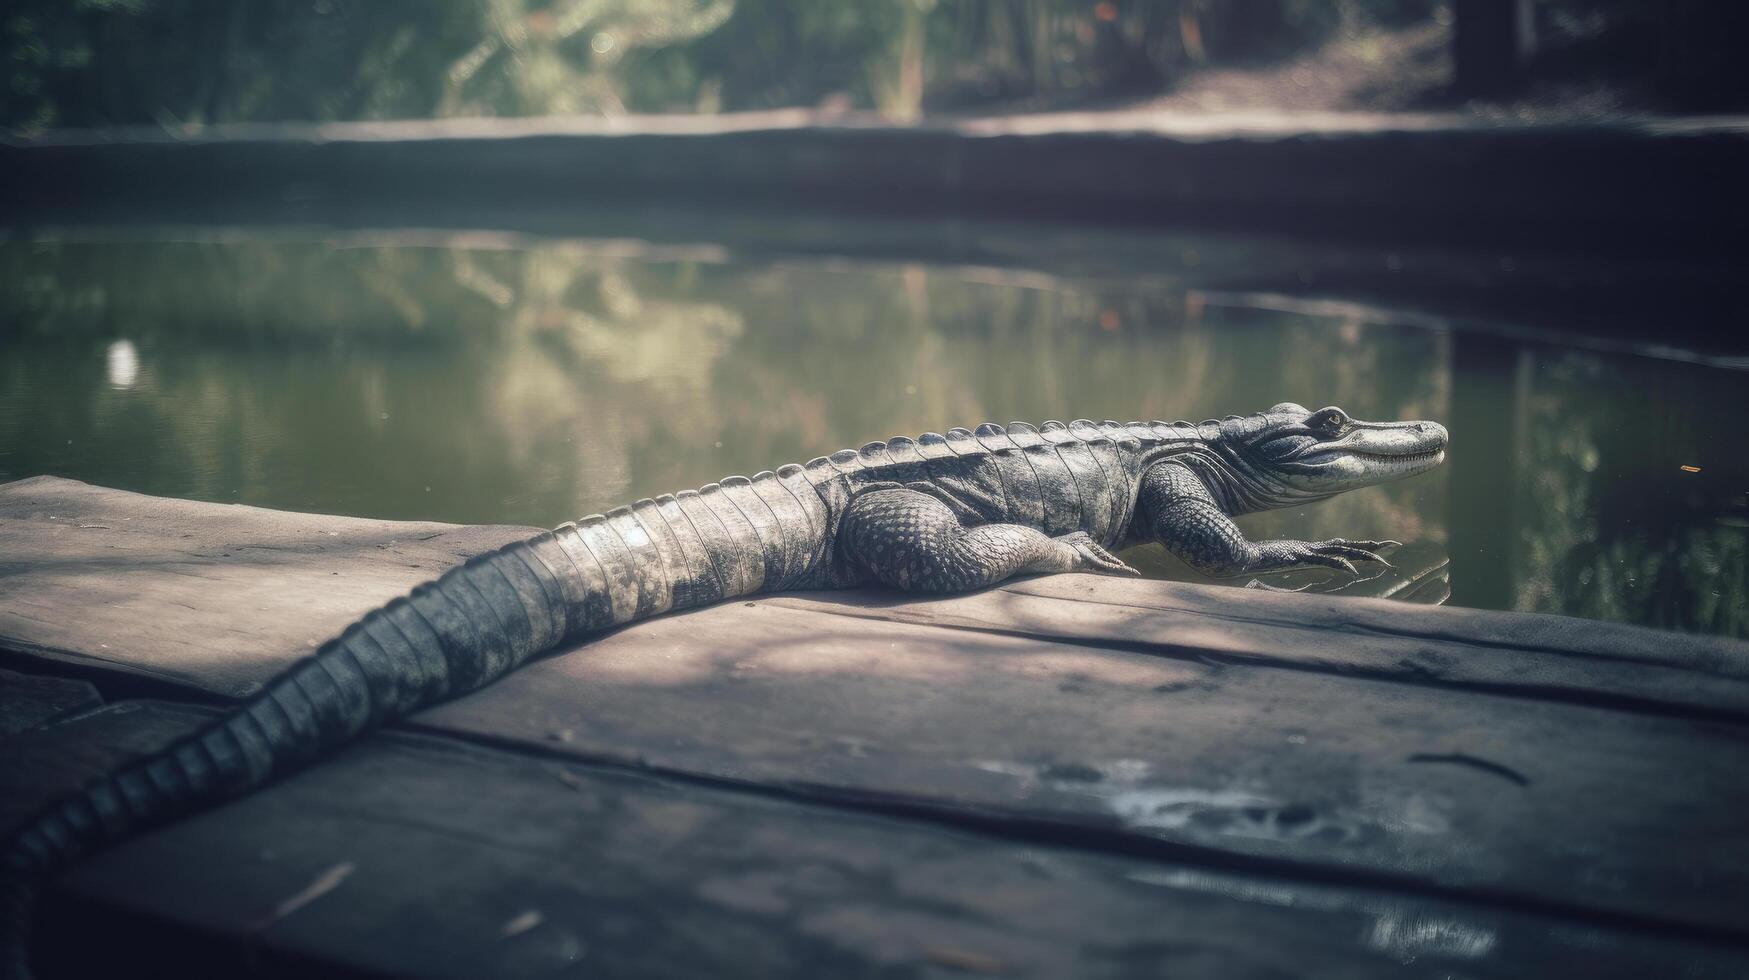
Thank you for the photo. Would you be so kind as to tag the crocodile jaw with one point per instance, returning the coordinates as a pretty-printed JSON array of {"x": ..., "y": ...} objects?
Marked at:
[{"x": 1367, "y": 453}]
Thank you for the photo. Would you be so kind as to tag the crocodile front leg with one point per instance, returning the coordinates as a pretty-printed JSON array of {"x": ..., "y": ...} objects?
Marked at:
[
  {"x": 1186, "y": 519},
  {"x": 912, "y": 541}
]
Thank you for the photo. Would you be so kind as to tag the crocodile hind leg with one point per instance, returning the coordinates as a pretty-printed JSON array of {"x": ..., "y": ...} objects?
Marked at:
[
  {"x": 912, "y": 541},
  {"x": 1185, "y": 517}
]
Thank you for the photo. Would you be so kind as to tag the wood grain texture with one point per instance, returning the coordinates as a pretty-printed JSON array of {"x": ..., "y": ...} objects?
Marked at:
[
  {"x": 1534, "y": 633},
  {"x": 218, "y": 597},
  {"x": 1426, "y": 785},
  {"x": 213, "y": 597},
  {"x": 1586, "y": 772},
  {"x": 28, "y": 701},
  {"x": 1553, "y": 658},
  {"x": 411, "y": 855},
  {"x": 42, "y": 765}
]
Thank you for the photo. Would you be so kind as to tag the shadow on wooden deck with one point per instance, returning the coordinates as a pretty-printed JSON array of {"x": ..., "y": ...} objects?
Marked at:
[{"x": 1067, "y": 776}]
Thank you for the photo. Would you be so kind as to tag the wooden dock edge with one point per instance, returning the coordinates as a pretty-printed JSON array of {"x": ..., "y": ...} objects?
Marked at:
[{"x": 1071, "y": 775}]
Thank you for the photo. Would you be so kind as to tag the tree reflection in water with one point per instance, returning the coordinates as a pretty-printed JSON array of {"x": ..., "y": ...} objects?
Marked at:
[
  {"x": 1612, "y": 526},
  {"x": 504, "y": 381}
]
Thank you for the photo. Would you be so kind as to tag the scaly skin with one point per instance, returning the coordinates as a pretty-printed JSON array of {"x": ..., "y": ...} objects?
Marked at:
[
  {"x": 938, "y": 514},
  {"x": 911, "y": 541}
]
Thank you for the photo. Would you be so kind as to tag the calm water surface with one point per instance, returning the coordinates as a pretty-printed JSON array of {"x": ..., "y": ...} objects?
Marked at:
[{"x": 536, "y": 384}]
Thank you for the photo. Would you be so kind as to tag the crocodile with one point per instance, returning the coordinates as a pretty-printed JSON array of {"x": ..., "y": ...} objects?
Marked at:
[{"x": 935, "y": 515}]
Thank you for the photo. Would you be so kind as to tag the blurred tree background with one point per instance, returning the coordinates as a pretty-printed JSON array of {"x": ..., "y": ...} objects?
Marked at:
[
  {"x": 530, "y": 381},
  {"x": 75, "y": 63}
]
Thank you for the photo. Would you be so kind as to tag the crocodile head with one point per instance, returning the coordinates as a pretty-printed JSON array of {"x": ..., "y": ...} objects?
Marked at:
[{"x": 1292, "y": 455}]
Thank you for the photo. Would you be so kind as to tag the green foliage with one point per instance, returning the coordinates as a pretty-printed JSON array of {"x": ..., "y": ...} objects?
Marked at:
[
  {"x": 108, "y": 62},
  {"x": 175, "y": 62},
  {"x": 528, "y": 382},
  {"x": 1611, "y": 528}
]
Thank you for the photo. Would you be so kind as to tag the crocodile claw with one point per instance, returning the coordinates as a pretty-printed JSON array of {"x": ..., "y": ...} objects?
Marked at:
[
  {"x": 1341, "y": 553},
  {"x": 1092, "y": 556},
  {"x": 1337, "y": 553},
  {"x": 1351, "y": 551}
]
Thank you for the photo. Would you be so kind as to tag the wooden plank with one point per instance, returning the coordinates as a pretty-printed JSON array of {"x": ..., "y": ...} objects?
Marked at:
[
  {"x": 212, "y": 597},
  {"x": 1554, "y": 658},
  {"x": 29, "y": 701},
  {"x": 218, "y": 597},
  {"x": 1532, "y": 633},
  {"x": 42, "y": 765},
  {"x": 1423, "y": 749},
  {"x": 1549, "y": 803},
  {"x": 419, "y": 856}
]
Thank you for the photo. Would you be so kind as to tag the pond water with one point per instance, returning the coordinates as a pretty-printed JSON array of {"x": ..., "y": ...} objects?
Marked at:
[{"x": 531, "y": 383}]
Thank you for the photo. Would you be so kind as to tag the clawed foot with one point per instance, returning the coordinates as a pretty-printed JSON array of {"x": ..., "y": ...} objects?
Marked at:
[
  {"x": 1337, "y": 553},
  {"x": 1090, "y": 556}
]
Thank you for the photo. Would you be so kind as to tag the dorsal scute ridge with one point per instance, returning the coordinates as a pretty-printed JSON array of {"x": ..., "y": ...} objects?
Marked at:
[
  {"x": 788, "y": 470},
  {"x": 964, "y": 442},
  {"x": 1087, "y": 431},
  {"x": 1140, "y": 431},
  {"x": 989, "y": 429},
  {"x": 1056, "y": 433},
  {"x": 843, "y": 462},
  {"x": 932, "y": 438}
]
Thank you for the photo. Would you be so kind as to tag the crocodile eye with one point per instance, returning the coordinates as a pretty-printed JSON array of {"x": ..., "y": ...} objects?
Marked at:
[{"x": 1330, "y": 419}]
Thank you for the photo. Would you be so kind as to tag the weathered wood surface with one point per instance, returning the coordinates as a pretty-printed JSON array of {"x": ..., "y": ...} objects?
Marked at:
[
  {"x": 418, "y": 856},
  {"x": 1495, "y": 768},
  {"x": 29, "y": 701},
  {"x": 212, "y": 597},
  {"x": 1548, "y": 657},
  {"x": 1547, "y": 802},
  {"x": 218, "y": 598}
]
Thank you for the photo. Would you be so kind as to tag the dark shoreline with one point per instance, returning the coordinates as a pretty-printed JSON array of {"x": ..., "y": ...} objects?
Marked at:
[{"x": 1672, "y": 185}]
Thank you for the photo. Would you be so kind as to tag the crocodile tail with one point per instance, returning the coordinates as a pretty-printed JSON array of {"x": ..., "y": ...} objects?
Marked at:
[{"x": 449, "y": 636}]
